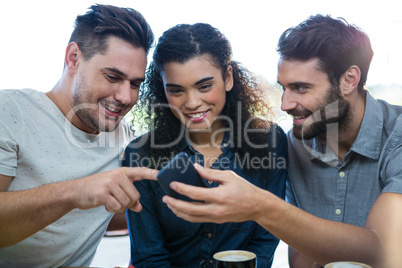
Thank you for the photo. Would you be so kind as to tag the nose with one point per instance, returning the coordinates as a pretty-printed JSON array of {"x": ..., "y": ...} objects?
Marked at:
[
  {"x": 124, "y": 93},
  {"x": 193, "y": 100},
  {"x": 288, "y": 101}
]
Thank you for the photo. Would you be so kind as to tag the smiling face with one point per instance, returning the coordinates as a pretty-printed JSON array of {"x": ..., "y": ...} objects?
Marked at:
[
  {"x": 196, "y": 92},
  {"x": 309, "y": 97},
  {"x": 106, "y": 86}
]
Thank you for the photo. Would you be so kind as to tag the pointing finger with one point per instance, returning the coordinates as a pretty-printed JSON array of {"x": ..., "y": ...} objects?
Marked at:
[{"x": 140, "y": 173}]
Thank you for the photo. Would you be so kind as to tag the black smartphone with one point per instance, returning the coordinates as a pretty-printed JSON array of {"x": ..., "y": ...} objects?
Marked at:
[{"x": 180, "y": 169}]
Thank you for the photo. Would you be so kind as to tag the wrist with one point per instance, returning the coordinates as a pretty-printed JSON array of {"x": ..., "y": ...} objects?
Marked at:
[
  {"x": 270, "y": 208},
  {"x": 66, "y": 193}
]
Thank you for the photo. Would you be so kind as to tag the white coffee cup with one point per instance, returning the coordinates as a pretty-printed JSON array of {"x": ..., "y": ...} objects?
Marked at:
[
  {"x": 346, "y": 264},
  {"x": 231, "y": 259}
]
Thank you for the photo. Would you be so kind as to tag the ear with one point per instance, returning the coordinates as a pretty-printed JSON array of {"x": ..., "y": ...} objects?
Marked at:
[
  {"x": 229, "y": 78},
  {"x": 71, "y": 58},
  {"x": 350, "y": 80}
]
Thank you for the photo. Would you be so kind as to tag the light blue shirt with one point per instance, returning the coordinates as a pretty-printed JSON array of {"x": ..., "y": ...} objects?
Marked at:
[{"x": 345, "y": 192}]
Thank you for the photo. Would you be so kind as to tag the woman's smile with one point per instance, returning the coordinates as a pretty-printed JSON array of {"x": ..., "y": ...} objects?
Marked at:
[{"x": 197, "y": 116}]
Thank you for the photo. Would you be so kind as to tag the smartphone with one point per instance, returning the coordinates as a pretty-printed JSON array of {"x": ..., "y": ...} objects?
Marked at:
[{"x": 180, "y": 169}]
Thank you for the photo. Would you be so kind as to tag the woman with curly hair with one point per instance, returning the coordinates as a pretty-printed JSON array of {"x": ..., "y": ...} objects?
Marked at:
[{"x": 197, "y": 100}]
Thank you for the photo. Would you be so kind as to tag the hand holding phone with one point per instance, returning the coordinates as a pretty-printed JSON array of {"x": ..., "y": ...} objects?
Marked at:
[{"x": 180, "y": 169}]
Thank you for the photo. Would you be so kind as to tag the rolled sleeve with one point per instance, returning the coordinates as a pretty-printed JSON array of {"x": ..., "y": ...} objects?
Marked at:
[
  {"x": 392, "y": 172},
  {"x": 390, "y": 167}
]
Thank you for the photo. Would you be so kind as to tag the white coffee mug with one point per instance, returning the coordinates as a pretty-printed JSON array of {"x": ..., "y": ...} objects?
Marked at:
[
  {"x": 346, "y": 264},
  {"x": 231, "y": 259}
]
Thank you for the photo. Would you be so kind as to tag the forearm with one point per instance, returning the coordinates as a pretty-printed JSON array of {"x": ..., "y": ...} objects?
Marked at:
[
  {"x": 26, "y": 212},
  {"x": 23, "y": 213},
  {"x": 320, "y": 240}
]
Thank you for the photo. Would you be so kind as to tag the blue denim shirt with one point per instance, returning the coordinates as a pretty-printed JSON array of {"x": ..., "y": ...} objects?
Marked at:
[
  {"x": 160, "y": 239},
  {"x": 345, "y": 192}
]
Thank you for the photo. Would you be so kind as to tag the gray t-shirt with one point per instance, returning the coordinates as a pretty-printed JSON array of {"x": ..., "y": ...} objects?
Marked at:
[
  {"x": 38, "y": 145},
  {"x": 345, "y": 192}
]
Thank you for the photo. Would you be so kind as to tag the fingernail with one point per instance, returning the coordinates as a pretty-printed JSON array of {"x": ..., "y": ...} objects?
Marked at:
[{"x": 173, "y": 185}]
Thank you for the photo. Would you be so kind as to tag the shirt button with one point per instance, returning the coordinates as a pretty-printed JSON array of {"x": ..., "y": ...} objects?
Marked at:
[
  {"x": 341, "y": 174},
  {"x": 209, "y": 235},
  {"x": 338, "y": 211}
]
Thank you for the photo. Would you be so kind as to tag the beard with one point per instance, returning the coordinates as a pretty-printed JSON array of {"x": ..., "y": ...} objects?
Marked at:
[
  {"x": 332, "y": 113},
  {"x": 88, "y": 111}
]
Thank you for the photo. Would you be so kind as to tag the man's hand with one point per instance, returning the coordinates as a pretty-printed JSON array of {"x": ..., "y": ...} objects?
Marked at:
[
  {"x": 113, "y": 189},
  {"x": 233, "y": 200}
]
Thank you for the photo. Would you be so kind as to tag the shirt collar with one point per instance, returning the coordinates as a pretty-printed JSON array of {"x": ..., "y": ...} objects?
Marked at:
[{"x": 368, "y": 141}]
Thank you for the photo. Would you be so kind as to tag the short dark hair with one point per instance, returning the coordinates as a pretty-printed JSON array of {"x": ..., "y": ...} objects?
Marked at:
[
  {"x": 334, "y": 42},
  {"x": 93, "y": 29}
]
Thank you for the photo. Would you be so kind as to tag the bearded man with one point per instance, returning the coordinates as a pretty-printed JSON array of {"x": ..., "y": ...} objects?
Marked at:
[{"x": 345, "y": 153}]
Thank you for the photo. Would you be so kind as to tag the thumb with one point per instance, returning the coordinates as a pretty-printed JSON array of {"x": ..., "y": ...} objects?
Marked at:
[{"x": 137, "y": 207}]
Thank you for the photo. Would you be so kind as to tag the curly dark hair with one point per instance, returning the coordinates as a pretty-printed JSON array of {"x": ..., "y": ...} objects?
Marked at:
[{"x": 243, "y": 103}]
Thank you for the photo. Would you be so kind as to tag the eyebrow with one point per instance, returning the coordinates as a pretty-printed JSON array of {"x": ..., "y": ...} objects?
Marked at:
[
  {"x": 195, "y": 84},
  {"x": 117, "y": 71},
  {"x": 297, "y": 83}
]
